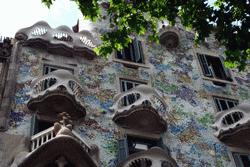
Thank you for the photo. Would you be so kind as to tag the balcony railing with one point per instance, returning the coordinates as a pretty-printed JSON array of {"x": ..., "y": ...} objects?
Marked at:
[
  {"x": 153, "y": 157},
  {"x": 61, "y": 40},
  {"x": 58, "y": 90},
  {"x": 43, "y": 137},
  {"x": 54, "y": 80},
  {"x": 232, "y": 125},
  {"x": 140, "y": 109},
  {"x": 140, "y": 95}
]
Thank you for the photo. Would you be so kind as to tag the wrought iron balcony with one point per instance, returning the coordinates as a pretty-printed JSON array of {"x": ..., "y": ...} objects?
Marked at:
[
  {"x": 153, "y": 157},
  {"x": 233, "y": 126},
  {"x": 140, "y": 108},
  {"x": 57, "y": 92}
]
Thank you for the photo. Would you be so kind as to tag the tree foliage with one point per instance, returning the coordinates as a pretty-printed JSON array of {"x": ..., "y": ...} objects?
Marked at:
[{"x": 229, "y": 20}]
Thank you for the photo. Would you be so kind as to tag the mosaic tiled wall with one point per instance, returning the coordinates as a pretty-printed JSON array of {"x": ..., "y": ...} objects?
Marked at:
[{"x": 175, "y": 74}]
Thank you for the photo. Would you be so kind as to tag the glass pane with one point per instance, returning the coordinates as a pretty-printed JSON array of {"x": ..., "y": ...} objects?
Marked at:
[
  {"x": 123, "y": 86},
  {"x": 218, "y": 104},
  {"x": 230, "y": 104},
  {"x": 130, "y": 85},
  {"x": 223, "y": 104},
  {"x": 245, "y": 160}
]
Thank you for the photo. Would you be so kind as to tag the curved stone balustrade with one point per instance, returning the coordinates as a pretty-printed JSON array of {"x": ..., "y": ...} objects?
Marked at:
[
  {"x": 61, "y": 40},
  {"x": 57, "y": 92},
  {"x": 141, "y": 94},
  {"x": 61, "y": 36},
  {"x": 169, "y": 37},
  {"x": 38, "y": 31},
  {"x": 142, "y": 109},
  {"x": 232, "y": 126},
  {"x": 154, "y": 157}
]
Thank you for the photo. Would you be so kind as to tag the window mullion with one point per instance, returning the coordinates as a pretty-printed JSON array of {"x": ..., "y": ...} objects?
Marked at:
[{"x": 220, "y": 105}]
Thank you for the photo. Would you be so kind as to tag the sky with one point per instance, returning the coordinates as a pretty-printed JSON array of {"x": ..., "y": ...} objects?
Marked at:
[{"x": 17, "y": 14}]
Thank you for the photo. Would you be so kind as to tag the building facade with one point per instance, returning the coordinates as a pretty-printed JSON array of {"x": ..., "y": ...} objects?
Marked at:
[{"x": 161, "y": 105}]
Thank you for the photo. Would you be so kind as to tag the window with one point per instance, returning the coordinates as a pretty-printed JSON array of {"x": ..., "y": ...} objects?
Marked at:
[
  {"x": 136, "y": 144},
  {"x": 213, "y": 67},
  {"x": 132, "y": 53},
  {"x": 127, "y": 85},
  {"x": 131, "y": 144},
  {"x": 50, "y": 68},
  {"x": 224, "y": 103},
  {"x": 39, "y": 125},
  {"x": 241, "y": 160}
]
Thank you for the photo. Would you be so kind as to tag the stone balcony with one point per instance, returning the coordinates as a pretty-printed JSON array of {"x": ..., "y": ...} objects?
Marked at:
[
  {"x": 60, "y": 146},
  {"x": 61, "y": 40},
  {"x": 154, "y": 157},
  {"x": 233, "y": 126},
  {"x": 141, "y": 109},
  {"x": 57, "y": 92}
]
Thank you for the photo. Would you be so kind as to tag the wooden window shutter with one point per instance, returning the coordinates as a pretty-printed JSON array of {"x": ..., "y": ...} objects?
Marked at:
[
  {"x": 137, "y": 55},
  {"x": 122, "y": 149},
  {"x": 33, "y": 125},
  {"x": 141, "y": 52},
  {"x": 204, "y": 65},
  {"x": 226, "y": 70}
]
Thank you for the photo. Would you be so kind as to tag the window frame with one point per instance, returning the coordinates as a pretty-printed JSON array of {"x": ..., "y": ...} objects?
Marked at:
[
  {"x": 142, "y": 141},
  {"x": 135, "y": 50},
  {"x": 57, "y": 68},
  {"x": 132, "y": 64},
  {"x": 237, "y": 159},
  {"x": 49, "y": 66},
  {"x": 214, "y": 97},
  {"x": 123, "y": 145},
  {"x": 35, "y": 121},
  {"x": 213, "y": 79}
]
